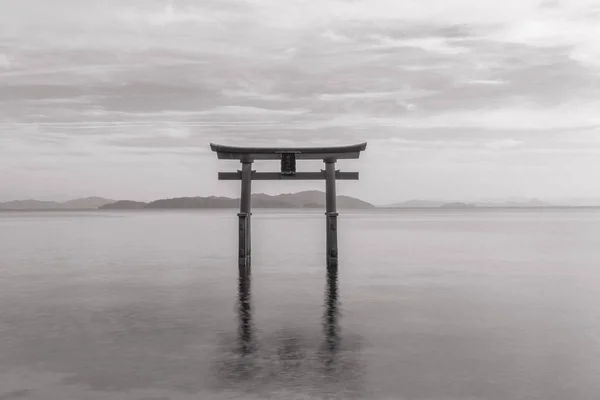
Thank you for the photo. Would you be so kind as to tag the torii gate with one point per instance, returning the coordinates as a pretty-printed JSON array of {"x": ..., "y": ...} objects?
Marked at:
[{"x": 288, "y": 157}]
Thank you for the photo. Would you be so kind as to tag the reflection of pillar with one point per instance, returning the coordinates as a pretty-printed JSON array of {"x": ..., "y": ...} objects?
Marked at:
[
  {"x": 245, "y": 213},
  {"x": 331, "y": 212},
  {"x": 330, "y": 318},
  {"x": 245, "y": 312}
]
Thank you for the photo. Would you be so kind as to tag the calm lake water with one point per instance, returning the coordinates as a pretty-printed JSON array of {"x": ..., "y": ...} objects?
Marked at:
[{"x": 428, "y": 305}]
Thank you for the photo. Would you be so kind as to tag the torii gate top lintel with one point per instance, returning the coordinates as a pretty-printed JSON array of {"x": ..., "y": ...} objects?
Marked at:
[{"x": 301, "y": 153}]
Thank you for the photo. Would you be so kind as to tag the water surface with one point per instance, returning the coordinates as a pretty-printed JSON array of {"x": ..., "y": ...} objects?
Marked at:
[{"x": 429, "y": 304}]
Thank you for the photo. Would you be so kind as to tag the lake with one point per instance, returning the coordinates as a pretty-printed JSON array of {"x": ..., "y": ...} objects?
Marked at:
[{"x": 425, "y": 304}]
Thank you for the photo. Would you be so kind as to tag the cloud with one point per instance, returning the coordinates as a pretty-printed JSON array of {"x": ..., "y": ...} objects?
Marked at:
[
  {"x": 255, "y": 95},
  {"x": 4, "y": 62},
  {"x": 117, "y": 77},
  {"x": 507, "y": 117},
  {"x": 459, "y": 11},
  {"x": 170, "y": 14},
  {"x": 406, "y": 93},
  {"x": 335, "y": 37},
  {"x": 571, "y": 23},
  {"x": 431, "y": 44},
  {"x": 239, "y": 111},
  {"x": 503, "y": 144},
  {"x": 486, "y": 82}
]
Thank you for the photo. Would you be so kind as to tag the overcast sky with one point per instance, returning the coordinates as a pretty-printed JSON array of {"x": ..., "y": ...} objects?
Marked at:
[{"x": 456, "y": 99}]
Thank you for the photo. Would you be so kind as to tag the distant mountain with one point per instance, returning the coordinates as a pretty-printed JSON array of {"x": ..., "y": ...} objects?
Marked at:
[
  {"x": 123, "y": 205},
  {"x": 29, "y": 205},
  {"x": 418, "y": 204},
  {"x": 485, "y": 203},
  {"x": 86, "y": 203},
  {"x": 194, "y": 202},
  {"x": 537, "y": 203},
  {"x": 307, "y": 199},
  {"x": 575, "y": 201},
  {"x": 89, "y": 203},
  {"x": 524, "y": 203},
  {"x": 458, "y": 205}
]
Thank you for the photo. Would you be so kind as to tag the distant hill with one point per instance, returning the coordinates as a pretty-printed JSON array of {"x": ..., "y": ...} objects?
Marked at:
[
  {"x": 458, "y": 205},
  {"x": 194, "y": 202},
  {"x": 29, "y": 205},
  {"x": 516, "y": 203},
  {"x": 88, "y": 203},
  {"x": 310, "y": 198},
  {"x": 575, "y": 201},
  {"x": 123, "y": 205},
  {"x": 418, "y": 204},
  {"x": 307, "y": 199},
  {"x": 492, "y": 203}
]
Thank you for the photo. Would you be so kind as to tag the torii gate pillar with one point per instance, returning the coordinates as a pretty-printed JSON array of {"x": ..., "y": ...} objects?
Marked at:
[
  {"x": 245, "y": 213},
  {"x": 331, "y": 212},
  {"x": 288, "y": 157}
]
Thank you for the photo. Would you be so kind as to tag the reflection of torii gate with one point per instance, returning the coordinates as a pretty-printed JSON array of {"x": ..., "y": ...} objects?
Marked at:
[{"x": 288, "y": 157}]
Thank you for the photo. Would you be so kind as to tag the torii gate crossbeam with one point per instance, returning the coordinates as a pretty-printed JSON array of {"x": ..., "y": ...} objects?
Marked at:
[{"x": 288, "y": 157}]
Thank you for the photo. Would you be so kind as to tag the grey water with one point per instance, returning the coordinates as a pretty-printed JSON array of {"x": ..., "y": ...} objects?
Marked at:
[{"x": 425, "y": 304}]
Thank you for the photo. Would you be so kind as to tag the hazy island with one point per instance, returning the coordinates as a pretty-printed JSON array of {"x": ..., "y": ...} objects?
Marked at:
[
  {"x": 507, "y": 203},
  {"x": 458, "y": 205},
  {"x": 306, "y": 199},
  {"x": 123, "y": 205},
  {"x": 88, "y": 203}
]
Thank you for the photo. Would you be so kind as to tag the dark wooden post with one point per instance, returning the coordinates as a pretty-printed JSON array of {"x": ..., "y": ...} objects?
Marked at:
[
  {"x": 331, "y": 212},
  {"x": 245, "y": 213},
  {"x": 245, "y": 310},
  {"x": 330, "y": 318}
]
